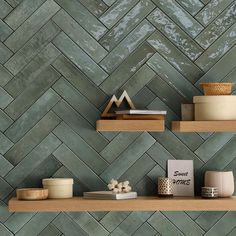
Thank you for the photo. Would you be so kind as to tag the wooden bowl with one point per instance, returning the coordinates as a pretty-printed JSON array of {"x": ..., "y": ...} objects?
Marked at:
[
  {"x": 217, "y": 88},
  {"x": 32, "y": 194}
]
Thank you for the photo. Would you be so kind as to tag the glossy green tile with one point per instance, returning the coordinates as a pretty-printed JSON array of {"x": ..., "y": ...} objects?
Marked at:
[
  {"x": 83, "y": 17},
  {"x": 214, "y": 30},
  {"x": 127, "y": 69},
  {"x": 116, "y": 11},
  {"x": 5, "y": 9},
  {"x": 80, "y": 58},
  {"x": 172, "y": 31},
  {"x": 126, "y": 24},
  {"x": 5, "y": 30},
  {"x": 180, "y": 16},
  {"x": 211, "y": 11},
  {"x": 192, "y": 6},
  {"x": 5, "y": 76},
  {"x": 80, "y": 36},
  {"x": 127, "y": 46}
]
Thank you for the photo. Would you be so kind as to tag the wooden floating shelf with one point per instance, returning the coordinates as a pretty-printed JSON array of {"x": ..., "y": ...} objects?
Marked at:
[
  {"x": 130, "y": 125},
  {"x": 204, "y": 126},
  {"x": 139, "y": 204}
]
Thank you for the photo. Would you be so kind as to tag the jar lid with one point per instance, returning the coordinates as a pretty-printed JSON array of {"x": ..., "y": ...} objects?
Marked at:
[
  {"x": 214, "y": 99},
  {"x": 58, "y": 181}
]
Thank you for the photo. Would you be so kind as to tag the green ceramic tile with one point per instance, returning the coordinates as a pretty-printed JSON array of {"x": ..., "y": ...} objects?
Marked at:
[
  {"x": 80, "y": 36},
  {"x": 31, "y": 48},
  {"x": 112, "y": 219},
  {"x": 192, "y": 6},
  {"x": 83, "y": 17},
  {"x": 50, "y": 230},
  {"x": 32, "y": 115},
  {"x": 126, "y": 24},
  {"x": 184, "y": 223},
  {"x": 211, "y": 11},
  {"x": 127, "y": 46},
  {"x": 116, "y": 12},
  {"x": 77, "y": 101},
  {"x": 5, "y": 166},
  {"x": 5, "y": 76},
  {"x": 96, "y": 7},
  {"x": 16, "y": 221},
  {"x": 146, "y": 230},
  {"x": 37, "y": 224},
  {"x": 224, "y": 226},
  {"x": 214, "y": 30},
  {"x": 127, "y": 69},
  {"x": 33, "y": 69},
  {"x": 80, "y": 125},
  {"x": 5, "y": 121},
  {"x": 172, "y": 31},
  {"x": 32, "y": 160},
  {"x": 118, "y": 145},
  {"x": 142, "y": 77},
  {"x": 80, "y": 81},
  {"x": 5, "y": 53},
  {"x": 217, "y": 50},
  {"x": 4, "y": 231},
  {"x": 180, "y": 16},
  {"x": 31, "y": 25},
  {"x": 5, "y": 9},
  {"x": 173, "y": 77},
  {"x": 6, "y": 144},
  {"x": 88, "y": 155},
  {"x": 33, "y": 91},
  {"x": 32, "y": 138},
  {"x": 144, "y": 165},
  {"x": 80, "y": 58},
  {"x": 5, "y": 98},
  {"x": 208, "y": 219},
  {"x": 22, "y": 12},
  {"x": 78, "y": 168},
  {"x": 5, "y": 30},
  {"x": 88, "y": 224},
  {"x": 128, "y": 157},
  {"x": 175, "y": 57},
  {"x": 220, "y": 69},
  {"x": 163, "y": 225}
]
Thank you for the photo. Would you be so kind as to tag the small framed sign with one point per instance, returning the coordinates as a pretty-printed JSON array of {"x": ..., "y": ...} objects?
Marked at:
[{"x": 181, "y": 171}]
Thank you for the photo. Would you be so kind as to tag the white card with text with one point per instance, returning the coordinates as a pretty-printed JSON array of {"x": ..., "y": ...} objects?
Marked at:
[{"x": 181, "y": 171}]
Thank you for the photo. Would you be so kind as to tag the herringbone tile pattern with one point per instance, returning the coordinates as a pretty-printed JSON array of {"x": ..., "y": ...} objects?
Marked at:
[{"x": 60, "y": 60}]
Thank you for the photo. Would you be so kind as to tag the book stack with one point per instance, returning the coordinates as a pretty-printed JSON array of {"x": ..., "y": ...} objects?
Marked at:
[
  {"x": 134, "y": 114},
  {"x": 109, "y": 195}
]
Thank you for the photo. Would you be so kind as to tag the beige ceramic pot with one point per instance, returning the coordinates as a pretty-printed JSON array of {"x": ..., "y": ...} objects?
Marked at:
[
  {"x": 59, "y": 187},
  {"x": 214, "y": 107},
  {"x": 223, "y": 180}
]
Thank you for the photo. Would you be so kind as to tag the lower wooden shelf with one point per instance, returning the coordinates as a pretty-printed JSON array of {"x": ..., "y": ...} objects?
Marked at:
[
  {"x": 139, "y": 204},
  {"x": 204, "y": 126},
  {"x": 130, "y": 125}
]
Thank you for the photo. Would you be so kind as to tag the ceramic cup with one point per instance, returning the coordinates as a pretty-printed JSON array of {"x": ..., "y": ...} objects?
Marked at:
[
  {"x": 165, "y": 186},
  {"x": 223, "y": 180}
]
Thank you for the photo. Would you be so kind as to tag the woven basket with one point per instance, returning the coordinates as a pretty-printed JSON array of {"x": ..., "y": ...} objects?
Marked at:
[{"x": 217, "y": 88}]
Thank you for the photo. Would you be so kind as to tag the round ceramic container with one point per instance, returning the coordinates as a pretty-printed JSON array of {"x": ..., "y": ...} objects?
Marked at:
[
  {"x": 59, "y": 187},
  {"x": 214, "y": 107},
  {"x": 223, "y": 180}
]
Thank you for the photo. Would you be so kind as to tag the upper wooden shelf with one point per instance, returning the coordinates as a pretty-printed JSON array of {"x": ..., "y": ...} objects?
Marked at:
[
  {"x": 130, "y": 125},
  {"x": 204, "y": 126},
  {"x": 139, "y": 204}
]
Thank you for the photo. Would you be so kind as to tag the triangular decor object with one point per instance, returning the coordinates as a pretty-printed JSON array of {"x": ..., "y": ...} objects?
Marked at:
[{"x": 117, "y": 102}]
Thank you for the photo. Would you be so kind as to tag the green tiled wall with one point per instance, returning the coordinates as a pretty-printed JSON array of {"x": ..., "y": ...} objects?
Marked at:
[{"x": 61, "y": 60}]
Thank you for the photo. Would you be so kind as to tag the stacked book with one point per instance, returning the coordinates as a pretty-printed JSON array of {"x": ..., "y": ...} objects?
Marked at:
[
  {"x": 133, "y": 114},
  {"x": 109, "y": 195}
]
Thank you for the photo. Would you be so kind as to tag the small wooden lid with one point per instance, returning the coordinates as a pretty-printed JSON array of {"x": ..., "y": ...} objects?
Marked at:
[{"x": 58, "y": 181}]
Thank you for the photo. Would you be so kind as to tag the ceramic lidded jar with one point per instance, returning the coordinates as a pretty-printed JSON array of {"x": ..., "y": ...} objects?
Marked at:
[
  {"x": 223, "y": 180},
  {"x": 59, "y": 187}
]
